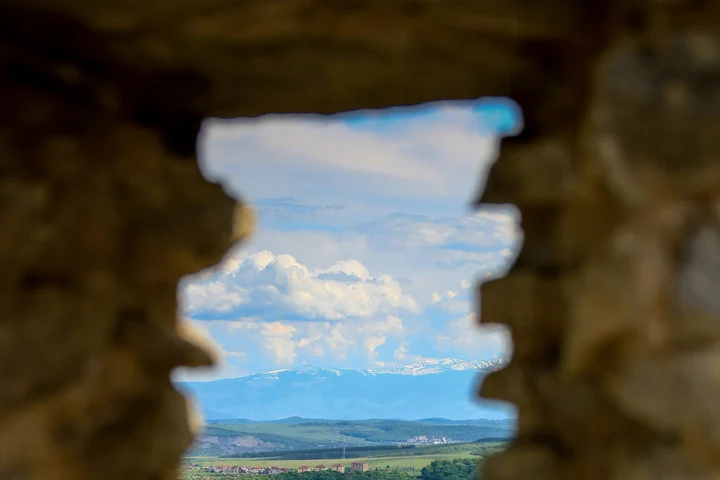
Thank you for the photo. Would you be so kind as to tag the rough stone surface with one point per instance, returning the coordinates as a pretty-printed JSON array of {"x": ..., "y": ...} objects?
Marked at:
[
  {"x": 611, "y": 302},
  {"x": 616, "y": 372}
]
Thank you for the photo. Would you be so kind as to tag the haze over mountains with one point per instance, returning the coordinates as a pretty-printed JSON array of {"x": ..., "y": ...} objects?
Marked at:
[{"x": 435, "y": 388}]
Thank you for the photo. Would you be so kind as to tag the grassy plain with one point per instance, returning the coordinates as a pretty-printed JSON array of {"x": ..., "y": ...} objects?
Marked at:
[
  {"x": 421, "y": 457},
  {"x": 375, "y": 462},
  {"x": 305, "y": 433}
]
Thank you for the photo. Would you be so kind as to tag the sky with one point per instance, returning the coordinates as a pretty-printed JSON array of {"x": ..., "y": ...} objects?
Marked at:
[{"x": 366, "y": 247}]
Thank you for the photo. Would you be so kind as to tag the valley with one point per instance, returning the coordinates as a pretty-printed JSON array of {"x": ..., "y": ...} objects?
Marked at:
[
  {"x": 293, "y": 423},
  {"x": 297, "y": 437},
  {"x": 402, "y": 463}
]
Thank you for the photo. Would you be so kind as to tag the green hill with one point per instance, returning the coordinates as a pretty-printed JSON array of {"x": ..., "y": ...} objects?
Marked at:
[{"x": 260, "y": 438}]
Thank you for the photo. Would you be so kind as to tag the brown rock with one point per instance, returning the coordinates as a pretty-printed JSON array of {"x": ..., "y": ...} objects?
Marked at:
[{"x": 616, "y": 174}]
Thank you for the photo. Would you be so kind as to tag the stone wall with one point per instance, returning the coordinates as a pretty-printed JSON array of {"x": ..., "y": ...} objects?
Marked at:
[{"x": 611, "y": 302}]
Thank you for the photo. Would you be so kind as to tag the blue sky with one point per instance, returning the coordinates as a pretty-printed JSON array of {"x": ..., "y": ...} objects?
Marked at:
[{"x": 365, "y": 247}]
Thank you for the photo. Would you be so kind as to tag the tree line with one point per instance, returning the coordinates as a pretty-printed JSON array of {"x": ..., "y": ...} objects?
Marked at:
[{"x": 457, "y": 469}]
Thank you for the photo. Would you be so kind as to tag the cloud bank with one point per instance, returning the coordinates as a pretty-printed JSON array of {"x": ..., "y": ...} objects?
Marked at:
[
  {"x": 366, "y": 250},
  {"x": 267, "y": 286}
]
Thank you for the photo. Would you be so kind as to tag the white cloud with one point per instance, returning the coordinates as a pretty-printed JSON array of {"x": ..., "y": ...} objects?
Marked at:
[
  {"x": 402, "y": 355},
  {"x": 453, "y": 302},
  {"x": 243, "y": 324},
  {"x": 465, "y": 335},
  {"x": 277, "y": 329},
  {"x": 288, "y": 343},
  {"x": 371, "y": 343},
  {"x": 317, "y": 350},
  {"x": 341, "y": 146},
  {"x": 329, "y": 301},
  {"x": 216, "y": 296},
  {"x": 401, "y": 352},
  {"x": 491, "y": 228},
  {"x": 477, "y": 247},
  {"x": 415, "y": 158},
  {"x": 278, "y": 343},
  {"x": 278, "y": 286},
  {"x": 337, "y": 341},
  {"x": 392, "y": 324},
  {"x": 343, "y": 338}
]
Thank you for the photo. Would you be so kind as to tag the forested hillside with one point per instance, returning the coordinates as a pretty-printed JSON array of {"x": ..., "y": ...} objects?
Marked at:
[{"x": 457, "y": 469}]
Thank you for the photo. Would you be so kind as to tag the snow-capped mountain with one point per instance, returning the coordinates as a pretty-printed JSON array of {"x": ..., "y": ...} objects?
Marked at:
[
  {"x": 304, "y": 369},
  {"x": 428, "y": 367},
  {"x": 431, "y": 388},
  {"x": 425, "y": 367}
]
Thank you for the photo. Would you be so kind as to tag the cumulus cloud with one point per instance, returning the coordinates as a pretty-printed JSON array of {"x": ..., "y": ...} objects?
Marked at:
[
  {"x": 286, "y": 343},
  {"x": 278, "y": 343},
  {"x": 371, "y": 343},
  {"x": 337, "y": 311},
  {"x": 337, "y": 340},
  {"x": 449, "y": 295},
  {"x": 364, "y": 338},
  {"x": 329, "y": 194},
  {"x": 401, "y": 352},
  {"x": 422, "y": 252},
  {"x": 402, "y": 355},
  {"x": 465, "y": 335},
  {"x": 278, "y": 287}
]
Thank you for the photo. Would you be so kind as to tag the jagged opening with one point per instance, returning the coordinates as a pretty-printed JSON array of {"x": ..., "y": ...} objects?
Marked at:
[
  {"x": 364, "y": 258},
  {"x": 610, "y": 301}
]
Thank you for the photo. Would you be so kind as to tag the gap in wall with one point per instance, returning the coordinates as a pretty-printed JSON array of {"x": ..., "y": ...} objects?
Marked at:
[{"x": 354, "y": 298}]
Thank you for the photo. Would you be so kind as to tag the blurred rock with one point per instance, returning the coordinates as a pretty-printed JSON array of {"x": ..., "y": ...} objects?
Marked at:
[{"x": 103, "y": 209}]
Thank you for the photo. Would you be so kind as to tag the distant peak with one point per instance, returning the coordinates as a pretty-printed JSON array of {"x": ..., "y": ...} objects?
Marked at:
[
  {"x": 431, "y": 366},
  {"x": 309, "y": 369},
  {"x": 425, "y": 367}
]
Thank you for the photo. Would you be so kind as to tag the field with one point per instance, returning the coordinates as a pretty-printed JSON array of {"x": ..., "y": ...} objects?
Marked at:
[
  {"x": 375, "y": 462},
  {"x": 421, "y": 457}
]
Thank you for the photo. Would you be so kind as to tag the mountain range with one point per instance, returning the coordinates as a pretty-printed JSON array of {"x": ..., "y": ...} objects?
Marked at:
[{"x": 433, "y": 388}]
